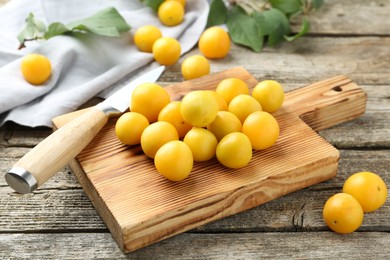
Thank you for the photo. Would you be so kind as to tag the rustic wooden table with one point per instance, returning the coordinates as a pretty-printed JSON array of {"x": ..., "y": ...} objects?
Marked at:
[{"x": 350, "y": 37}]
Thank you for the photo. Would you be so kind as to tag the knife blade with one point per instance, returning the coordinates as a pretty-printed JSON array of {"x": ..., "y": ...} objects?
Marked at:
[{"x": 54, "y": 152}]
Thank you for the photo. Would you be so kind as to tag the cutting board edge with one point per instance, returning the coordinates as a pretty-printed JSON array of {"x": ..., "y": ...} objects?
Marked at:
[
  {"x": 239, "y": 200},
  {"x": 98, "y": 202},
  {"x": 123, "y": 234}
]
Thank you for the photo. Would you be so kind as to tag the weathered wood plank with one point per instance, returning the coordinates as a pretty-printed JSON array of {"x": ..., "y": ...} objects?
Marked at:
[
  {"x": 301, "y": 211},
  {"x": 295, "y": 245},
  {"x": 347, "y": 17},
  {"x": 51, "y": 209},
  {"x": 71, "y": 212},
  {"x": 351, "y": 17},
  {"x": 307, "y": 60},
  {"x": 370, "y": 130},
  {"x": 352, "y": 161},
  {"x": 61, "y": 206},
  {"x": 48, "y": 210}
]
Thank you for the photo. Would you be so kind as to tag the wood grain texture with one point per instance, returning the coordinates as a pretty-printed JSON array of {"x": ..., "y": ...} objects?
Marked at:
[
  {"x": 351, "y": 17},
  {"x": 309, "y": 59},
  {"x": 298, "y": 245},
  {"x": 347, "y": 37},
  {"x": 69, "y": 210},
  {"x": 375, "y": 120},
  {"x": 140, "y": 207},
  {"x": 336, "y": 100}
]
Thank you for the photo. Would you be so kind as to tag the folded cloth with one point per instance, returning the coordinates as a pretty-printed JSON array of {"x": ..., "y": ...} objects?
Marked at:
[{"x": 83, "y": 65}]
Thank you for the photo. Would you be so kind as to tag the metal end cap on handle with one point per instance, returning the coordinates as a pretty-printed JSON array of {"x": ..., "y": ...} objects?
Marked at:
[{"x": 21, "y": 180}]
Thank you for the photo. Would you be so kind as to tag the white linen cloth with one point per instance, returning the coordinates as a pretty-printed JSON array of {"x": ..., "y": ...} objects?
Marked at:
[{"x": 83, "y": 65}]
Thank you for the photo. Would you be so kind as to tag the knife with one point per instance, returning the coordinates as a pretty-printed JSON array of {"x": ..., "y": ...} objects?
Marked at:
[{"x": 54, "y": 152}]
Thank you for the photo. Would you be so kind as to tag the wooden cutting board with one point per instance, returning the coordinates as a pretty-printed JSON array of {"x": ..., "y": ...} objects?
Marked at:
[{"x": 140, "y": 207}]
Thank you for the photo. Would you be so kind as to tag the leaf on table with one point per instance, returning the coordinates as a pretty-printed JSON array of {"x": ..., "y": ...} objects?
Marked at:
[
  {"x": 243, "y": 29},
  {"x": 316, "y": 4},
  {"x": 217, "y": 14},
  {"x": 253, "y": 22},
  {"x": 154, "y": 4},
  {"x": 34, "y": 29},
  {"x": 287, "y": 7},
  {"x": 304, "y": 29},
  {"x": 266, "y": 22},
  {"x": 107, "y": 22},
  {"x": 274, "y": 24}
]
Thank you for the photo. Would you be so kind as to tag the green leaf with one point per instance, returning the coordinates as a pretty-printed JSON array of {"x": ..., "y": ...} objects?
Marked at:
[
  {"x": 287, "y": 6},
  {"x": 107, "y": 22},
  {"x": 316, "y": 4},
  {"x": 217, "y": 14},
  {"x": 243, "y": 29},
  {"x": 304, "y": 29},
  {"x": 274, "y": 24},
  {"x": 154, "y": 4},
  {"x": 276, "y": 36},
  {"x": 56, "y": 29},
  {"x": 267, "y": 21},
  {"x": 33, "y": 29}
]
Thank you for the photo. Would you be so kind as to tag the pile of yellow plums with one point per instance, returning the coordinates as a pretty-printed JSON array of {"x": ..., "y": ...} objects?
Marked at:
[{"x": 227, "y": 123}]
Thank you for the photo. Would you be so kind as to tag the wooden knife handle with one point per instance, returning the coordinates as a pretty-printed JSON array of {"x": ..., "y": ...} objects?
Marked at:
[
  {"x": 53, "y": 153},
  {"x": 327, "y": 103}
]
